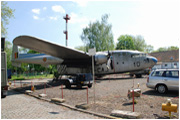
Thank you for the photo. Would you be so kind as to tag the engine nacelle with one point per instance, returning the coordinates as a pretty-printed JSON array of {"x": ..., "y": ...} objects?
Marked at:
[{"x": 101, "y": 58}]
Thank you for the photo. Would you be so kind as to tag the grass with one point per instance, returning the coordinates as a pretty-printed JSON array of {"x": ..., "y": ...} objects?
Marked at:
[{"x": 23, "y": 77}]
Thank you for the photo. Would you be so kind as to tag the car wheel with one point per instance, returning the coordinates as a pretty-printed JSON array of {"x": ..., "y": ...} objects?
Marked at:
[
  {"x": 68, "y": 85},
  {"x": 162, "y": 89}
]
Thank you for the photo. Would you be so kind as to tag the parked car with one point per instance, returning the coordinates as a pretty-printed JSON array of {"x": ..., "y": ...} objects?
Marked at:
[
  {"x": 83, "y": 79},
  {"x": 163, "y": 80}
]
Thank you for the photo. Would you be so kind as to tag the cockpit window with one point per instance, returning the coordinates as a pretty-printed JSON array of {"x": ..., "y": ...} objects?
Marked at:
[
  {"x": 124, "y": 53},
  {"x": 138, "y": 55}
]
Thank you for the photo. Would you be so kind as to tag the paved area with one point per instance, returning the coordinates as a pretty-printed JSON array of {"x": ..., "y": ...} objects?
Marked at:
[{"x": 21, "y": 106}]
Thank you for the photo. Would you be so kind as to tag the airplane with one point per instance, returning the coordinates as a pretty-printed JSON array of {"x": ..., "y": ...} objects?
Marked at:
[{"x": 71, "y": 61}]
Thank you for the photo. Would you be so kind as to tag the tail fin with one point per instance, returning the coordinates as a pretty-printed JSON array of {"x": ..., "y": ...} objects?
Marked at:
[{"x": 15, "y": 55}]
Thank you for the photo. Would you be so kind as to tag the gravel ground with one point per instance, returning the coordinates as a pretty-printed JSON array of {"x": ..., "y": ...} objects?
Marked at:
[{"x": 111, "y": 94}]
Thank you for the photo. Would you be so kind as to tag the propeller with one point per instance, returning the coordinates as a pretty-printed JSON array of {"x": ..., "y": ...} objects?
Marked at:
[{"x": 108, "y": 60}]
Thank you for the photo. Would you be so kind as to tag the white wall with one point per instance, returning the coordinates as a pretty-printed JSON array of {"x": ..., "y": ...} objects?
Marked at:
[{"x": 167, "y": 65}]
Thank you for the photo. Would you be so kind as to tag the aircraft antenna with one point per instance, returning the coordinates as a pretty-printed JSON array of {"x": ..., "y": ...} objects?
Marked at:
[{"x": 66, "y": 31}]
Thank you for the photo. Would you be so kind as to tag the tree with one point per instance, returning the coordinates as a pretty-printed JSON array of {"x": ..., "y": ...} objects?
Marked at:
[
  {"x": 173, "y": 48},
  {"x": 139, "y": 43},
  {"x": 149, "y": 48},
  {"x": 130, "y": 42},
  {"x": 125, "y": 42},
  {"x": 98, "y": 35},
  {"x": 6, "y": 14},
  {"x": 161, "y": 49},
  {"x": 81, "y": 48}
]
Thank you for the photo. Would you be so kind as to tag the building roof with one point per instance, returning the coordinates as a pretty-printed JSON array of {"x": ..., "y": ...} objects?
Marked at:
[{"x": 167, "y": 56}]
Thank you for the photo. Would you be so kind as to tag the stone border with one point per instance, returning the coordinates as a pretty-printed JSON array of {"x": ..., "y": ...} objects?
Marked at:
[{"x": 69, "y": 106}]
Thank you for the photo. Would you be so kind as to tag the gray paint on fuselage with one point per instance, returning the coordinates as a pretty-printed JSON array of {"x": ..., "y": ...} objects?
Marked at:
[{"x": 125, "y": 60}]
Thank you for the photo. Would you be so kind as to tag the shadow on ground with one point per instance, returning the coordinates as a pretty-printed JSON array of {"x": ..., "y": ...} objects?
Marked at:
[{"x": 168, "y": 94}]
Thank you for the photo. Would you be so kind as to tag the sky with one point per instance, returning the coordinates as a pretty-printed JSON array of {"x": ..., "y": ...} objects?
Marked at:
[{"x": 157, "y": 21}]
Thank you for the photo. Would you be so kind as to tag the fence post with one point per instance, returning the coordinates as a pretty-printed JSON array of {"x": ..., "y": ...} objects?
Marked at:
[
  {"x": 87, "y": 94},
  {"x": 31, "y": 85},
  {"x": 44, "y": 88},
  {"x": 62, "y": 90},
  {"x": 133, "y": 99}
]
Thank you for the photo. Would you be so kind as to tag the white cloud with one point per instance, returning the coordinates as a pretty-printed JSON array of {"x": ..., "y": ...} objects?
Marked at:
[
  {"x": 36, "y": 11},
  {"x": 58, "y": 8},
  {"x": 53, "y": 18},
  {"x": 77, "y": 19},
  {"x": 44, "y": 8},
  {"x": 81, "y": 3},
  {"x": 35, "y": 17}
]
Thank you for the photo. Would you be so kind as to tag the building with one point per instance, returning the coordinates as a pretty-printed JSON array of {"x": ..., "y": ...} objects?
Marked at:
[{"x": 167, "y": 59}]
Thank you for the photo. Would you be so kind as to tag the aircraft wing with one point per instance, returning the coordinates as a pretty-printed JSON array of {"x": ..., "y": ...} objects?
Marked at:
[{"x": 69, "y": 55}]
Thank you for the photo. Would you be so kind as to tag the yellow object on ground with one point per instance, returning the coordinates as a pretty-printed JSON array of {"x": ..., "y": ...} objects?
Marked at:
[{"x": 169, "y": 107}]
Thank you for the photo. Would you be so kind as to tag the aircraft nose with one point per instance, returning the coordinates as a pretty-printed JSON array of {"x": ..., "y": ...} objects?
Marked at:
[{"x": 154, "y": 60}]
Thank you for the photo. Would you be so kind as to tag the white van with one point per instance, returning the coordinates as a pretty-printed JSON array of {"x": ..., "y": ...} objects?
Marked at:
[{"x": 163, "y": 80}]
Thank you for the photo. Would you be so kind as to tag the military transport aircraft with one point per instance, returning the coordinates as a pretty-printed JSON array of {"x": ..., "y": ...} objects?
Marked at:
[{"x": 73, "y": 61}]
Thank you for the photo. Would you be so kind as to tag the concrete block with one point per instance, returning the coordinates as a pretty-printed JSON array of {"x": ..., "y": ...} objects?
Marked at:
[
  {"x": 28, "y": 91},
  {"x": 59, "y": 100},
  {"x": 125, "y": 114},
  {"x": 42, "y": 95},
  {"x": 83, "y": 106}
]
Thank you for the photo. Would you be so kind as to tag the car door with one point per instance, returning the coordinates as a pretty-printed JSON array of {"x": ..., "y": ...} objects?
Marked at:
[
  {"x": 171, "y": 79},
  {"x": 156, "y": 77}
]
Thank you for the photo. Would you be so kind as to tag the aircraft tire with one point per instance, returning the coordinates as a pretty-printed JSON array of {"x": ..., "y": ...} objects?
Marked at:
[
  {"x": 138, "y": 76},
  {"x": 90, "y": 85}
]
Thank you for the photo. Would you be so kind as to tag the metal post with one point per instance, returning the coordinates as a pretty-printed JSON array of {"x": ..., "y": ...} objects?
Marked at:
[
  {"x": 93, "y": 75},
  {"x": 62, "y": 90},
  {"x": 92, "y": 52},
  {"x": 133, "y": 99},
  {"x": 31, "y": 85},
  {"x": 87, "y": 94},
  {"x": 66, "y": 32},
  {"x": 44, "y": 88}
]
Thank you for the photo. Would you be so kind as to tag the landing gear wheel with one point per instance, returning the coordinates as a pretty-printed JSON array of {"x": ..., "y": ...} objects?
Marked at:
[
  {"x": 68, "y": 86},
  {"x": 90, "y": 85},
  {"x": 161, "y": 89},
  {"x": 138, "y": 76}
]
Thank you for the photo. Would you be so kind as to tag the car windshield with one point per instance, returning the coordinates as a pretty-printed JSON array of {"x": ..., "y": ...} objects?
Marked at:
[{"x": 88, "y": 77}]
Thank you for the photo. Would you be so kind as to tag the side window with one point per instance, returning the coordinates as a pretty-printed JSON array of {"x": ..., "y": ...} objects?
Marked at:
[
  {"x": 168, "y": 73},
  {"x": 158, "y": 73},
  {"x": 174, "y": 74}
]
